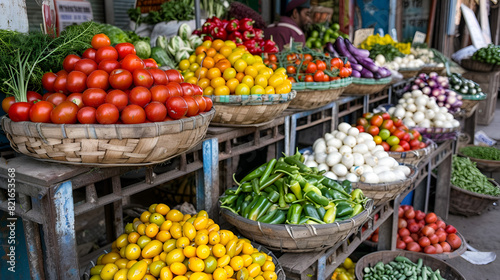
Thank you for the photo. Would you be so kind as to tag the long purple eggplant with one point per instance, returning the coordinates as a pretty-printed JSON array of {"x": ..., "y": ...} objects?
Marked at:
[
  {"x": 368, "y": 64},
  {"x": 341, "y": 48},
  {"x": 357, "y": 67},
  {"x": 355, "y": 74},
  {"x": 329, "y": 48},
  {"x": 358, "y": 53}
]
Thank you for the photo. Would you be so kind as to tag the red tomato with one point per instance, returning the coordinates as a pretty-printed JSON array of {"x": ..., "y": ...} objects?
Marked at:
[
  {"x": 373, "y": 130},
  {"x": 202, "y": 104},
  {"x": 109, "y": 65},
  {"x": 431, "y": 250},
  {"x": 120, "y": 79},
  {"x": 413, "y": 246},
  {"x": 124, "y": 49},
  {"x": 424, "y": 241},
  {"x": 187, "y": 89},
  {"x": 362, "y": 122},
  {"x": 98, "y": 79},
  {"x": 446, "y": 246},
  {"x": 427, "y": 231},
  {"x": 62, "y": 73},
  {"x": 360, "y": 128},
  {"x": 107, "y": 114},
  {"x": 76, "y": 81},
  {"x": 386, "y": 116},
  {"x": 193, "y": 107},
  {"x": 311, "y": 67},
  {"x": 308, "y": 78},
  {"x": 419, "y": 215},
  {"x": 439, "y": 249},
  {"x": 402, "y": 223},
  {"x": 434, "y": 239},
  {"x": 150, "y": 63},
  {"x": 7, "y": 102},
  {"x": 175, "y": 89},
  {"x": 100, "y": 40},
  {"x": 159, "y": 76},
  {"x": 290, "y": 69},
  {"x": 318, "y": 76},
  {"x": 133, "y": 114},
  {"x": 159, "y": 93},
  {"x": 345, "y": 72},
  {"x": 387, "y": 124},
  {"x": 415, "y": 237},
  {"x": 386, "y": 146},
  {"x": 132, "y": 62},
  {"x": 177, "y": 107},
  {"x": 376, "y": 120},
  {"x": 139, "y": 96},
  {"x": 415, "y": 144},
  {"x": 209, "y": 103},
  {"x": 142, "y": 78},
  {"x": 86, "y": 66},
  {"x": 76, "y": 98},
  {"x": 117, "y": 98},
  {"x": 33, "y": 96},
  {"x": 321, "y": 65},
  {"x": 403, "y": 232},
  {"x": 86, "y": 115},
  {"x": 397, "y": 148},
  {"x": 413, "y": 227},
  {"x": 450, "y": 229},
  {"x": 48, "y": 80},
  {"x": 401, "y": 212},
  {"x": 410, "y": 214},
  {"x": 441, "y": 236},
  {"x": 69, "y": 62},
  {"x": 397, "y": 121},
  {"x": 405, "y": 145},
  {"x": 56, "y": 98},
  {"x": 155, "y": 111},
  {"x": 197, "y": 90},
  {"x": 64, "y": 113},
  {"x": 94, "y": 97},
  {"x": 40, "y": 112},
  {"x": 107, "y": 52},
  {"x": 89, "y": 53},
  {"x": 407, "y": 239},
  {"x": 430, "y": 218},
  {"x": 20, "y": 111},
  {"x": 60, "y": 84},
  {"x": 336, "y": 63},
  {"x": 400, "y": 244},
  {"x": 174, "y": 76}
]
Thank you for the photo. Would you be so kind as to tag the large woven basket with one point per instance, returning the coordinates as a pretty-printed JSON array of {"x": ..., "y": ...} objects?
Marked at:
[
  {"x": 361, "y": 86},
  {"x": 311, "y": 99},
  {"x": 427, "y": 69},
  {"x": 409, "y": 72},
  {"x": 484, "y": 164},
  {"x": 447, "y": 271},
  {"x": 414, "y": 157},
  {"x": 476, "y": 66},
  {"x": 383, "y": 192},
  {"x": 298, "y": 238},
  {"x": 249, "y": 109},
  {"x": 467, "y": 203},
  {"x": 107, "y": 145}
]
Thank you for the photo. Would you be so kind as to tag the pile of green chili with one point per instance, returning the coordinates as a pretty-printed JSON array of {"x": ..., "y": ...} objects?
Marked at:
[
  {"x": 401, "y": 268},
  {"x": 480, "y": 152},
  {"x": 465, "y": 175},
  {"x": 285, "y": 190}
]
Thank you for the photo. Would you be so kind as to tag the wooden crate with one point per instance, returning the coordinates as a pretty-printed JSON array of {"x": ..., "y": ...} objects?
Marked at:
[{"x": 490, "y": 83}]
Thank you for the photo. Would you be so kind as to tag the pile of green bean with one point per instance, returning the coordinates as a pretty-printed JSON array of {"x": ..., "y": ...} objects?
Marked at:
[
  {"x": 465, "y": 175},
  {"x": 401, "y": 268},
  {"x": 487, "y": 153}
]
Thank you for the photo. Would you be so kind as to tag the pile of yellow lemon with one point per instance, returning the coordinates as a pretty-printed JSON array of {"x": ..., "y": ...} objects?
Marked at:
[
  {"x": 222, "y": 68},
  {"x": 166, "y": 244}
]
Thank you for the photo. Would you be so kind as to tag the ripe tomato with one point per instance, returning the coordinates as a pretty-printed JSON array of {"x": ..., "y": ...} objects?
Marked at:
[
  {"x": 107, "y": 114},
  {"x": 7, "y": 102},
  {"x": 108, "y": 65},
  {"x": 405, "y": 145},
  {"x": 33, "y": 96},
  {"x": 142, "y": 78},
  {"x": 40, "y": 112},
  {"x": 321, "y": 65},
  {"x": 76, "y": 98},
  {"x": 117, "y": 98},
  {"x": 187, "y": 89},
  {"x": 94, "y": 97},
  {"x": 336, "y": 63},
  {"x": 202, "y": 103},
  {"x": 107, "y": 52},
  {"x": 311, "y": 67},
  {"x": 398, "y": 133},
  {"x": 174, "y": 76},
  {"x": 20, "y": 111},
  {"x": 386, "y": 146},
  {"x": 76, "y": 81},
  {"x": 64, "y": 113},
  {"x": 56, "y": 98},
  {"x": 373, "y": 130},
  {"x": 132, "y": 62},
  {"x": 89, "y": 53},
  {"x": 209, "y": 103},
  {"x": 319, "y": 76},
  {"x": 397, "y": 148},
  {"x": 98, "y": 79},
  {"x": 86, "y": 115},
  {"x": 197, "y": 90},
  {"x": 60, "y": 84},
  {"x": 48, "y": 80},
  {"x": 100, "y": 40},
  {"x": 376, "y": 120},
  {"x": 344, "y": 72},
  {"x": 159, "y": 76},
  {"x": 175, "y": 89},
  {"x": 387, "y": 124},
  {"x": 193, "y": 107},
  {"x": 86, "y": 66},
  {"x": 120, "y": 79},
  {"x": 155, "y": 111},
  {"x": 150, "y": 63},
  {"x": 69, "y": 62},
  {"x": 290, "y": 69},
  {"x": 159, "y": 93},
  {"x": 124, "y": 49},
  {"x": 139, "y": 96},
  {"x": 309, "y": 78},
  {"x": 133, "y": 114},
  {"x": 177, "y": 107}
]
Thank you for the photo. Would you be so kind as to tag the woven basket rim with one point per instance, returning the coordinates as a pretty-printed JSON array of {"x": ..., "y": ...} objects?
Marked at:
[
  {"x": 254, "y": 100},
  {"x": 419, "y": 153},
  {"x": 479, "y": 195},
  {"x": 491, "y": 163},
  {"x": 369, "y": 81},
  {"x": 391, "y": 185},
  {"x": 475, "y": 65}
]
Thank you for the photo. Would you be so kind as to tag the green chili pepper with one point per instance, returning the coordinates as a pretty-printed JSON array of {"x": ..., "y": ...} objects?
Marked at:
[
  {"x": 358, "y": 208},
  {"x": 344, "y": 209},
  {"x": 332, "y": 184},
  {"x": 297, "y": 155},
  {"x": 229, "y": 192},
  {"x": 271, "y": 188},
  {"x": 250, "y": 206},
  {"x": 294, "y": 161},
  {"x": 258, "y": 208},
  {"x": 296, "y": 189},
  {"x": 321, "y": 212},
  {"x": 257, "y": 173},
  {"x": 279, "y": 218},
  {"x": 229, "y": 199},
  {"x": 347, "y": 186},
  {"x": 312, "y": 179},
  {"x": 357, "y": 195},
  {"x": 243, "y": 206},
  {"x": 283, "y": 167},
  {"x": 330, "y": 215},
  {"x": 268, "y": 216},
  {"x": 229, "y": 208},
  {"x": 273, "y": 196},
  {"x": 325, "y": 192},
  {"x": 267, "y": 171},
  {"x": 281, "y": 200},
  {"x": 303, "y": 220},
  {"x": 297, "y": 177},
  {"x": 246, "y": 187},
  {"x": 315, "y": 221},
  {"x": 255, "y": 185},
  {"x": 239, "y": 202},
  {"x": 271, "y": 180},
  {"x": 290, "y": 197},
  {"x": 294, "y": 212},
  {"x": 330, "y": 205},
  {"x": 337, "y": 195},
  {"x": 317, "y": 198},
  {"x": 310, "y": 210},
  {"x": 311, "y": 187}
]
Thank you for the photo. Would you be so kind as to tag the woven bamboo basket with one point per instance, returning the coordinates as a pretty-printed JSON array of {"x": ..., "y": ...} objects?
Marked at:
[
  {"x": 484, "y": 164},
  {"x": 298, "y": 238},
  {"x": 383, "y": 192},
  {"x": 467, "y": 203},
  {"x": 476, "y": 66},
  {"x": 414, "y": 157},
  {"x": 311, "y": 99},
  {"x": 107, "y": 145},
  {"x": 447, "y": 271},
  {"x": 429, "y": 69},
  {"x": 409, "y": 73},
  {"x": 362, "y": 86}
]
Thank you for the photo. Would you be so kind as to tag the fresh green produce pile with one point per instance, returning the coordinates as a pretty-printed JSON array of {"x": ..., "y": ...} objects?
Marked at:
[
  {"x": 464, "y": 86},
  {"x": 465, "y": 175},
  {"x": 490, "y": 54},
  {"x": 180, "y": 46},
  {"x": 319, "y": 34},
  {"x": 401, "y": 268},
  {"x": 287, "y": 191},
  {"x": 480, "y": 152},
  {"x": 388, "y": 51}
]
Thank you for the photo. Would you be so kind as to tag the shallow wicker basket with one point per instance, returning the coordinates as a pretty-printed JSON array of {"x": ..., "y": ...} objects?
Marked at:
[
  {"x": 107, "y": 145},
  {"x": 249, "y": 109},
  {"x": 409, "y": 72},
  {"x": 475, "y": 65},
  {"x": 414, "y": 157},
  {"x": 429, "y": 69},
  {"x": 484, "y": 164},
  {"x": 311, "y": 99},
  {"x": 438, "y": 134},
  {"x": 298, "y": 238},
  {"x": 383, "y": 192},
  {"x": 447, "y": 271},
  {"x": 361, "y": 86},
  {"x": 467, "y": 203}
]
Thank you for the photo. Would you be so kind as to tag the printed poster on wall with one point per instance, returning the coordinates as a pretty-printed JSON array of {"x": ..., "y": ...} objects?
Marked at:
[{"x": 72, "y": 12}]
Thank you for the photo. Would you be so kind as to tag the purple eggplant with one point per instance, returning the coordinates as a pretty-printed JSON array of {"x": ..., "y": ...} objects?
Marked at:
[
  {"x": 356, "y": 67},
  {"x": 341, "y": 48},
  {"x": 384, "y": 72},
  {"x": 355, "y": 74},
  {"x": 368, "y": 64},
  {"x": 365, "y": 73},
  {"x": 377, "y": 75},
  {"x": 358, "y": 53},
  {"x": 330, "y": 48}
]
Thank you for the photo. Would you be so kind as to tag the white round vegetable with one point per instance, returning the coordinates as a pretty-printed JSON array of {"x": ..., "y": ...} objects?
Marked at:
[
  {"x": 339, "y": 169},
  {"x": 380, "y": 168},
  {"x": 352, "y": 177},
  {"x": 386, "y": 176},
  {"x": 311, "y": 163},
  {"x": 369, "y": 178},
  {"x": 371, "y": 161},
  {"x": 361, "y": 148},
  {"x": 406, "y": 170},
  {"x": 345, "y": 150},
  {"x": 350, "y": 141},
  {"x": 328, "y": 136},
  {"x": 391, "y": 110},
  {"x": 370, "y": 144},
  {"x": 418, "y": 117},
  {"x": 407, "y": 95},
  {"x": 358, "y": 159},
  {"x": 318, "y": 141},
  {"x": 409, "y": 122},
  {"x": 323, "y": 166},
  {"x": 387, "y": 161},
  {"x": 416, "y": 93},
  {"x": 380, "y": 155},
  {"x": 366, "y": 136},
  {"x": 399, "y": 174},
  {"x": 348, "y": 160},
  {"x": 330, "y": 175},
  {"x": 320, "y": 148},
  {"x": 320, "y": 158},
  {"x": 353, "y": 131},
  {"x": 377, "y": 148},
  {"x": 340, "y": 135},
  {"x": 429, "y": 114},
  {"x": 330, "y": 149},
  {"x": 367, "y": 168},
  {"x": 358, "y": 170},
  {"x": 336, "y": 143},
  {"x": 399, "y": 113},
  {"x": 333, "y": 158},
  {"x": 344, "y": 127},
  {"x": 411, "y": 108},
  {"x": 421, "y": 108}
]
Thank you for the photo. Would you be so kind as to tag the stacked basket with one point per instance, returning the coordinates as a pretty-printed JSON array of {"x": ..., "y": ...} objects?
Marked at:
[
  {"x": 363, "y": 86},
  {"x": 315, "y": 95}
]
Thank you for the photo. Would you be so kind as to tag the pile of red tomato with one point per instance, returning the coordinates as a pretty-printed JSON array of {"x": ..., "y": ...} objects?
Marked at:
[
  {"x": 390, "y": 132},
  {"x": 110, "y": 85}
]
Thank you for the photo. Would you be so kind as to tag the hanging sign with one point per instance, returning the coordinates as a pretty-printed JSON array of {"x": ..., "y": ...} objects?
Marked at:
[
  {"x": 361, "y": 34},
  {"x": 419, "y": 37},
  {"x": 475, "y": 31},
  {"x": 72, "y": 12}
]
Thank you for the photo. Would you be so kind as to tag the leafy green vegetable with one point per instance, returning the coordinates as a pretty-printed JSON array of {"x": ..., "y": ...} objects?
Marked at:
[
  {"x": 388, "y": 51},
  {"x": 115, "y": 34},
  {"x": 143, "y": 49},
  {"x": 487, "y": 153},
  {"x": 465, "y": 175},
  {"x": 170, "y": 10}
]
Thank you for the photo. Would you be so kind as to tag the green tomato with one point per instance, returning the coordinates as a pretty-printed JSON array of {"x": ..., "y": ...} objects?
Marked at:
[
  {"x": 392, "y": 140},
  {"x": 384, "y": 134},
  {"x": 335, "y": 26}
]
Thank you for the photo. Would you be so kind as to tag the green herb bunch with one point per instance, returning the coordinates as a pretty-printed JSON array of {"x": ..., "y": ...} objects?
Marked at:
[{"x": 388, "y": 51}]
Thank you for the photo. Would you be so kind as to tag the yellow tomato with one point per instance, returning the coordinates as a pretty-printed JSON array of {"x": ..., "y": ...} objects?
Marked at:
[
  {"x": 184, "y": 64},
  {"x": 189, "y": 231},
  {"x": 226, "y": 51},
  {"x": 261, "y": 80},
  {"x": 199, "y": 276},
  {"x": 229, "y": 271},
  {"x": 156, "y": 267},
  {"x": 257, "y": 90},
  {"x": 196, "y": 264},
  {"x": 188, "y": 75},
  {"x": 230, "y": 43},
  {"x": 269, "y": 90},
  {"x": 282, "y": 89},
  {"x": 203, "y": 251},
  {"x": 200, "y": 222},
  {"x": 220, "y": 274},
  {"x": 175, "y": 255},
  {"x": 176, "y": 230},
  {"x": 137, "y": 271},
  {"x": 192, "y": 80},
  {"x": 248, "y": 80},
  {"x": 270, "y": 275},
  {"x": 121, "y": 274},
  {"x": 258, "y": 58},
  {"x": 280, "y": 70},
  {"x": 240, "y": 65},
  {"x": 234, "y": 57},
  {"x": 208, "y": 90},
  {"x": 232, "y": 84},
  {"x": 267, "y": 72},
  {"x": 242, "y": 273},
  {"x": 201, "y": 239},
  {"x": 223, "y": 261},
  {"x": 247, "y": 248},
  {"x": 251, "y": 71},
  {"x": 200, "y": 57},
  {"x": 193, "y": 67},
  {"x": 96, "y": 270},
  {"x": 258, "y": 258},
  {"x": 210, "y": 264},
  {"x": 213, "y": 236},
  {"x": 132, "y": 251},
  {"x": 182, "y": 242},
  {"x": 178, "y": 268},
  {"x": 248, "y": 58},
  {"x": 121, "y": 263},
  {"x": 129, "y": 228},
  {"x": 122, "y": 241},
  {"x": 217, "y": 82},
  {"x": 247, "y": 260},
  {"x": 268, "y": 266},
  {"x": 229, "y": 73},
  {"x": 192, "y": 58},
  {"x": 153, "y": 249},
  {"x": 213, "y": 73},
  {"x": 236, "y": 263},
  {"x": 200, "y": 73},
  {"x": 203, "y": 83},
  {"x": 221, "y": 90},
  {"x": 208, "y": 62},
  {"x": 207, "y": 44},
  {"x": 259, "y": 66},
  {"x": 110, "y": 257},
  {"x": 217, "y": 44},
  {"x": 152, "y": 208},
  {"x": 152, "y": 229},
  {"x": 169, "y": 245},
  {"x": 145, "y": 216},
  {"x": 166, "y": 273},
  {"x": 254, "y": 270}
]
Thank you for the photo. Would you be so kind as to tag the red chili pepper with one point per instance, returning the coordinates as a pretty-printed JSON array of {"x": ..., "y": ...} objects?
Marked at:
[
  {"x": 236, "y": 37},
  {"x": 217, "y": 21},
  {"x": 233, "y": 25},
  {"x": 248, "y": 35},
  {"x": 219, "y": 33},
  {"x": 259, "y": 33},
  {"x": 246, "y": 24}
]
